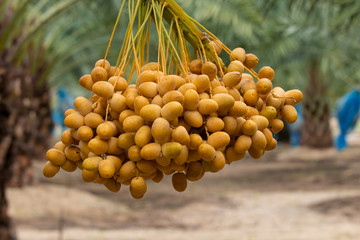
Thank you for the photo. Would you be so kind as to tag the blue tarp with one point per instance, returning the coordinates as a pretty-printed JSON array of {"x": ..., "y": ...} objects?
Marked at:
[
  {"x": 348, "y": 109},
  {"x": 295, "y": 128},
  {"x": 63, "y": 102}
]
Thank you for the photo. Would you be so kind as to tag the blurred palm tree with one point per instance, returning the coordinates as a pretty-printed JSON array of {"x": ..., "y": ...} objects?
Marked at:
[
  {"x": 35, "y": 52},
  {"x": 321, "y": 58}
]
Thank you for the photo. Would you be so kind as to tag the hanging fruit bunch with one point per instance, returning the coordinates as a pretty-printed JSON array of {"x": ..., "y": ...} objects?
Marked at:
[{"x": 184, "y": 115}]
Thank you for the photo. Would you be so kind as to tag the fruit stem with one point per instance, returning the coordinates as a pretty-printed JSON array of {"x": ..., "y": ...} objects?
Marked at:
[
  {"x": 190, "y": 31},
  {"x": 113, "y": 32}
]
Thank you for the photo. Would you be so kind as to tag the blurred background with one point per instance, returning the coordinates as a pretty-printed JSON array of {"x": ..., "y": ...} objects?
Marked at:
[{"x": 309, "y": 188}]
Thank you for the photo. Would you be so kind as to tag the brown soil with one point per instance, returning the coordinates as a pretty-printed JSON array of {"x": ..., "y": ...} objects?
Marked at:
[
  {"x": 289, "y": 194},
  {"x": 348, "y": 206}
]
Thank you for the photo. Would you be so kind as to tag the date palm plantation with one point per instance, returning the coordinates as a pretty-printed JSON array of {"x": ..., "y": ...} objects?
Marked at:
[{"x": 313, "y": 46}]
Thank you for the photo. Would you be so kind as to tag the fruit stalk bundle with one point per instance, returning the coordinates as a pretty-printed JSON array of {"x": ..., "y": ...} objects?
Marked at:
[{"x": 185, "y": 114}]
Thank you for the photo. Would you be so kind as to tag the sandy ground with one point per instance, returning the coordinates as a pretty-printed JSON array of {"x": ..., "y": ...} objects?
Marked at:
[{"x": 290, "y": 194}]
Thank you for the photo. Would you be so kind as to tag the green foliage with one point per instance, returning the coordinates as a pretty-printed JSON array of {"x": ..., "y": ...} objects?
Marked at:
[
  {"x": 236, "y": 23},
  {"x": 24, "y": 32},
  {"x": 287, "y": 35}
]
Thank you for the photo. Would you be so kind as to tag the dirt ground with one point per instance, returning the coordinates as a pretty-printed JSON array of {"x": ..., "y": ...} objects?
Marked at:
[{"x": 290, "y": 194}]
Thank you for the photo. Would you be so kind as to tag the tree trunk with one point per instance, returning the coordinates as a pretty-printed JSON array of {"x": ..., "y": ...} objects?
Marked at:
[
  {"x": 316, "y": 130},
  {"x": 7, "y": 119},
  {"x": 6, "y": 225},
  {"x": 25, "y": 119},
  {"x": 25, "y": 124}
]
